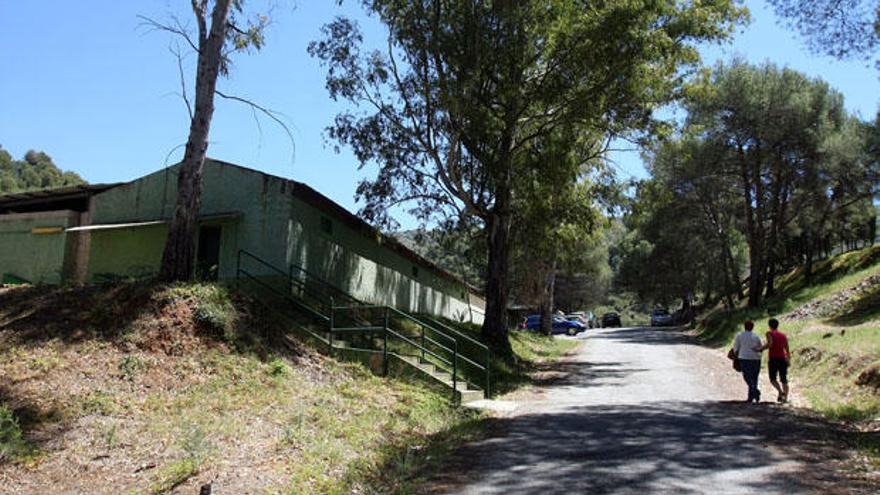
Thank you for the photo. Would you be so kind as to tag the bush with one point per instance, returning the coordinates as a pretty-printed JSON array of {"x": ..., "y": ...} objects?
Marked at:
[
  {"x": 277, "y": 367},
  {"x": 12, "y": 444},
  {"x": 213, "y": 308},
  {"x": 130, "y": 366}
]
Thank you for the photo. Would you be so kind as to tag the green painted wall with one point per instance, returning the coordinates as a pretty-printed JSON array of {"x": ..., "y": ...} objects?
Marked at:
[
  {"x": 261, "y": 202},
  {"x": 132, "y": 252},
  {"x": 38, "y": 258},
  {"x": 365, "y": 268},
  {"x": 275, "y": 226}
]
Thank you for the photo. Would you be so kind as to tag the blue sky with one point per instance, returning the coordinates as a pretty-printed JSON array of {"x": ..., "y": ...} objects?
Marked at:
[{"x": 88, "y": 85}]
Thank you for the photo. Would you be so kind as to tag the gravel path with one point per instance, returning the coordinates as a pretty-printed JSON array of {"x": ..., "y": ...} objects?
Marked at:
[{"x": 646, "y": 411}]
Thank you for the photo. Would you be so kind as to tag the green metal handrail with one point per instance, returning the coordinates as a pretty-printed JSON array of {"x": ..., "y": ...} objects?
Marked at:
[{"x": 429, "y": 333}]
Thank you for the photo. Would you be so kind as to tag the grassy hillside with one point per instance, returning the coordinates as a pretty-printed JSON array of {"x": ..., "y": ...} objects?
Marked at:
[
  {"x": 833, "y": 322},
  {"x": 157, "y": 389}
]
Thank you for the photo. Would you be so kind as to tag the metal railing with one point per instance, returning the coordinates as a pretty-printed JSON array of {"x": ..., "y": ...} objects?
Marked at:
[
  {"x": 485, "y": 367},
  {"x": 431, "y": 343}
]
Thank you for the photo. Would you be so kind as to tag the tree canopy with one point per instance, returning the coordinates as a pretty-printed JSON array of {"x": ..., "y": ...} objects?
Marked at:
[
  {"x": 453, "y": 104},
  {"x": 35, "y": 171},
  {"x": 769, "y": 164},
  {"x": 840, "y": 28}
]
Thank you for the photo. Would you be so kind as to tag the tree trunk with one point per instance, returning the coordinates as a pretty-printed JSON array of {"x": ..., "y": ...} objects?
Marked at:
[
  {"x": 547, "y": 301},
  {"x": 495, "y": 325},
  {"x": 750, "y": 177},
  {"x": 808, "y": 264},
  {"x": 178, "y": 258}
]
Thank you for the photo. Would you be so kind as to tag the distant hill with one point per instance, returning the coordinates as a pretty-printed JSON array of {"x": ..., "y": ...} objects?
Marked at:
[{"x": 35, "y": 171}]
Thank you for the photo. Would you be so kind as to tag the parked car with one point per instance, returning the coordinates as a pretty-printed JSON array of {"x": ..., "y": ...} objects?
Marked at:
[
  {"x": 661, "y": 318},
  {"x": 610, "y": 320},
  {"x": 585, "y": 317},
  {"x": 560, "y": 325},
  {"x": 578, "y": 317}
]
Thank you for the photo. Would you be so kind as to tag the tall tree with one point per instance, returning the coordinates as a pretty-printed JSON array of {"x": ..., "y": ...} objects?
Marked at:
[
  {"x": 770, "y": 126},
  {"x": 767, "y": 155},
  {"x": 220, "y": 32},
  {"x": 450, "y": 106},
  {"x": 555, "y": 212}
]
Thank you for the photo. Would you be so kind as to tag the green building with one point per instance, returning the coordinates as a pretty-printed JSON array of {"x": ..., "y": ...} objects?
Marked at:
[{"x": 103, "y": 232}]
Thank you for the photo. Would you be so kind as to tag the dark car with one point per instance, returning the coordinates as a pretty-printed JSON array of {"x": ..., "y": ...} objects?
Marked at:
[
  {"x": 610, "y": 320},
  {"x": 661, "y": 318},
  {"x": 560, "y": 325}
]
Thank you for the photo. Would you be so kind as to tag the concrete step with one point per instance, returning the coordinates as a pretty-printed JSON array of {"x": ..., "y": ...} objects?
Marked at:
[{"x": 465, "y": 396}]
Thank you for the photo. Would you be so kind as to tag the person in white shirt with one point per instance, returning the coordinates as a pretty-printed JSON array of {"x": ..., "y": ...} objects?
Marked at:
[{"x": 747, "y": 347}]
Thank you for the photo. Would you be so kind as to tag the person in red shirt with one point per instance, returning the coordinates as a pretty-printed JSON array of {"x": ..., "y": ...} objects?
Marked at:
[{"x": 779, "y": 358}]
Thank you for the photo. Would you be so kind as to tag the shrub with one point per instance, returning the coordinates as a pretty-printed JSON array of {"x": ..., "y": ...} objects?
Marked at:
[
  {"x": 130, "y": 366},
  {"x": 12, "y": 444},
  {"x": 214, "y": 310},
  {"x": 277, "y": 367}
]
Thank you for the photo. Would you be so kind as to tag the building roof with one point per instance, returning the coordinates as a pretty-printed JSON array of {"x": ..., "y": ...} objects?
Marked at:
[{"x": 61, "y": 198}]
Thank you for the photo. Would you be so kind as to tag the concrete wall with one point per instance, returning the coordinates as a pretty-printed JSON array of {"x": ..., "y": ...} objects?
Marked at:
[{"x": 38, "y": 258}]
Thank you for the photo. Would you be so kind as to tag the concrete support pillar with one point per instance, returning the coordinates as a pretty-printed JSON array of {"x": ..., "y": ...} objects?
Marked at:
[{"x": 79, "y": 246}]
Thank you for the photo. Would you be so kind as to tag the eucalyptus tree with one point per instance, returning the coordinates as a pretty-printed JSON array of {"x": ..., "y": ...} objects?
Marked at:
[
  {"x": 556, "y": 211},
  {"x": 222, "y": 29},
  {"x": 449, "y": 106}
]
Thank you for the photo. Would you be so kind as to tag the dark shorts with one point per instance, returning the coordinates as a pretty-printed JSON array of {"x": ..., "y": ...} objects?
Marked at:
[{"x": 778, "y": 366}]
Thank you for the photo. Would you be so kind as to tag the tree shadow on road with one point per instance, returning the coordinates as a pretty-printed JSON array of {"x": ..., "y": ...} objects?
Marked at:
[
  {"x": 680, "y": 447},
  {"x": 648, "y": 336},
  {"x": 582, "y": 373}
]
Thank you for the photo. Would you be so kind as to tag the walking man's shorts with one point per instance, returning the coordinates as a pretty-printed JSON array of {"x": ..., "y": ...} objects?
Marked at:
[{"x": 778, "y": 366}]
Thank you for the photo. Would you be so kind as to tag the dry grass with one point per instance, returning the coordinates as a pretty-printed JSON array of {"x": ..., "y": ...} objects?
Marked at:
[
  {"x": 139, "y": 389},
  {"x": 144, "y": 389}
]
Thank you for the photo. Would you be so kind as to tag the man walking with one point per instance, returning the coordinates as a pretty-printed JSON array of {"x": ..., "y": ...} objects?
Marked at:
[
  {"x": 779, "y": 358},
  {"x": 747, "y": 347}
]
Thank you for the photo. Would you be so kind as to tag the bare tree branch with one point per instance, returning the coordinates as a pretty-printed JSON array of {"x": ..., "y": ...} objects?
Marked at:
[
  {"x": 272, "y": 114},
  {"x": 176, "y": 52},
  {"x": 177, "y": 28}
]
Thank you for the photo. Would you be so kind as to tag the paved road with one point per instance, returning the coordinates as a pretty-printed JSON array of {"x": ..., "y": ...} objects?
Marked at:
[{"x": 644, "y": 411}]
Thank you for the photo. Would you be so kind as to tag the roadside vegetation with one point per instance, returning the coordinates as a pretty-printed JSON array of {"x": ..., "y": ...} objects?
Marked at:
[
  {"x": 833, "y": 321},
  {"x": 140, "y": 388}
]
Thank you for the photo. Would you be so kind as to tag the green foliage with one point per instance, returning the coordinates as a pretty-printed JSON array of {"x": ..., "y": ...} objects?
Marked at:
[
  {"x": 12, "y": 444},
  {"x": 130, "y": 366},
  {"x": 278, "y": 367},
  {"x": 213, "y": 311},
  {"x": 174, "y": 474},
  {"x": 769, "y": 172},
  {"x": 840, "y": 29},
  {"x": 35, "y": 171},
  {"x": 467, "y": 98}
]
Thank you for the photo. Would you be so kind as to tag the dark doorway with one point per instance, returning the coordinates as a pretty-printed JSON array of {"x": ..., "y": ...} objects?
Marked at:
[{"x": 208, "y": 256}]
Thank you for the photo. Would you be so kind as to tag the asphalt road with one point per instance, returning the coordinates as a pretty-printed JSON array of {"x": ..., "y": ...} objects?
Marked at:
[{"x": 639, "y": 411}]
